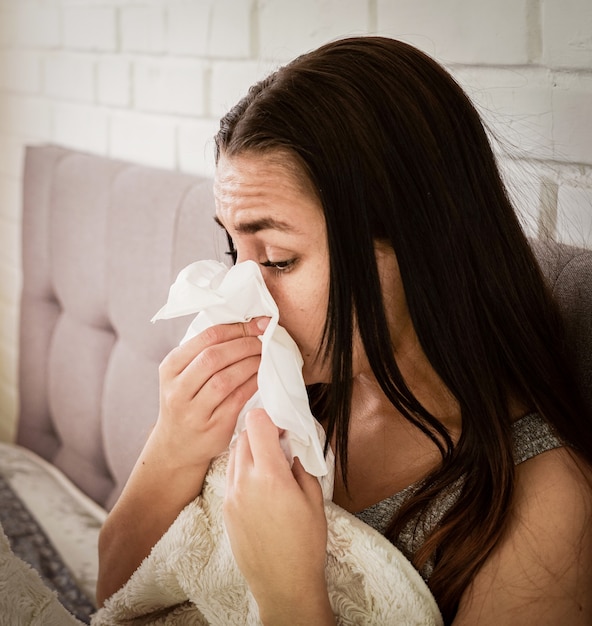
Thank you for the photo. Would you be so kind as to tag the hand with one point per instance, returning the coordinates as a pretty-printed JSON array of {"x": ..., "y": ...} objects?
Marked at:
[
  {"x": 204, "y": 384},
  {"x": 276, "y": 523}
]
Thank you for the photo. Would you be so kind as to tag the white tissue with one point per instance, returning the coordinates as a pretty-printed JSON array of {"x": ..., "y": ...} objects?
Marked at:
[{"x": 238, "y": 294}]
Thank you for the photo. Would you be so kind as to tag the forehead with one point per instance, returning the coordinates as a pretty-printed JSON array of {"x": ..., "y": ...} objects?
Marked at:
[
  {"x": 244, "y": 173},
  {"x": 254, "y": 184}
]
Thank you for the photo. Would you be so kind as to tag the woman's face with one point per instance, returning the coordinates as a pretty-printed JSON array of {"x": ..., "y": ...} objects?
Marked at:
[{"x": 275, "y": 220}]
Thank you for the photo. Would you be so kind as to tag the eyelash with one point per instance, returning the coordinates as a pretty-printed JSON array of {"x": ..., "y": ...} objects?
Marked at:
[{"x": 278, "y": 267}]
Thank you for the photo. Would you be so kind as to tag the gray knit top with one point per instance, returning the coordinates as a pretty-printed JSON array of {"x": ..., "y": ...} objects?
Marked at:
[{"x": 532, "y": 435}]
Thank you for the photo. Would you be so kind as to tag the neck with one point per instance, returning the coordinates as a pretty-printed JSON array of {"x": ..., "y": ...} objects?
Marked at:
[
  {"x": 368, "y": 399},
  {"x": 419, "y": 375}
]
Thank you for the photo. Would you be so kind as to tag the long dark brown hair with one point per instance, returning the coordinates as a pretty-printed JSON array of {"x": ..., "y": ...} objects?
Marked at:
[{"x": 396, "y": 152}]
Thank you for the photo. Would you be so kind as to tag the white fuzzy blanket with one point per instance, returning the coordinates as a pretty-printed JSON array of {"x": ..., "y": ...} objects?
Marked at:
[
  {"x": 191, "y": 577},
  {"x": 24, "y": 599}
]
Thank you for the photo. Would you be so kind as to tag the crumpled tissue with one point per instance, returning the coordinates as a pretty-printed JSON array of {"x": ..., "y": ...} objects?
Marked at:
[{"x": 220, "y": 296}]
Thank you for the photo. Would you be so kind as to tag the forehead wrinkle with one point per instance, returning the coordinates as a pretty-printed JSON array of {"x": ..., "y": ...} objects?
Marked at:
[
  {"x": 248, "y": 193},
  {"x": 232, "y": 187},
  {"x": 252, "y": 226},
  {"x": 253, "y": 209}
]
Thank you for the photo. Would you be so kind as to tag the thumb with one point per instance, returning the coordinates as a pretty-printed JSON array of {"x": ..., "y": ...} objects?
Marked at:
[{"x": 307, "y": 482}]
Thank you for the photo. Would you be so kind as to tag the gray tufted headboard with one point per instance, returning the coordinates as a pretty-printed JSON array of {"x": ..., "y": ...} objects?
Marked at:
[
  {"x": 569, "y": 273},
  {"x": 102, "y": 242}
]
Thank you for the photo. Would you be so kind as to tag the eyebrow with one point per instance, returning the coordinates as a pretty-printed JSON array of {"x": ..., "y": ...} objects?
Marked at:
[{"x": 264, "y": 223}]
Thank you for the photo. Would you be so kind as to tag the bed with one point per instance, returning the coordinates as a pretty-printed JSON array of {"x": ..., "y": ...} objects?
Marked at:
[{"x": 102, "y": 242}]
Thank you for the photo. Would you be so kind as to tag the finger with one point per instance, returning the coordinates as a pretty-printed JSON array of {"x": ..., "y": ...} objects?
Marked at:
[
  {"x": 260, "y": 322},
  {"x": 230, "y": 469},
  {"x": 229, "y": 407},
  {"x": 243, "y": 458},
  {"x": 264, "y": 438},
  {"x": 206, "y": 390},
  {"x": 221, "y": 416},
  {"x": 308, "y": 483},
  {"x": 216, "y": 373},
  {"x": 229, "y": 389},
  {"x": 180, "y": 357},
  {"x": 223, "y": 369}
]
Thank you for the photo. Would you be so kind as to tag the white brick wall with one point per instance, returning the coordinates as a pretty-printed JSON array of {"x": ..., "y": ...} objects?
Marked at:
[
  {"x": 83, "y": 127},
  {"x": 464, "y": 31},
  {"x": 69, "y": 76},
  {"x": 143, "y": 29},
  {"x": 89, "y": 27},
  {"x": 29, "y": 25},
  {"x": 20, "y": 71},
  {"x": 516, "y": 103},
  {"x": 146, "y": 80},
  {"x": 188, "y": 28},
  {"x": 149, "y": 139},
  {"x": 25, "y": 116},
  {"x": 289, "y": 28},
  {"x": 572, "y": 117},
  {"x": 230, "y": 80},
  {"x": 170, "y": 86},
  {"x": 574, "y": 215},
  {"x": 567, "y": 33},
  {"x": 114, "y": 81}
]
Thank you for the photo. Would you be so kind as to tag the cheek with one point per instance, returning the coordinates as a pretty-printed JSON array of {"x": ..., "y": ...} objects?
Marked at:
[{"x": 302, "y": 314}]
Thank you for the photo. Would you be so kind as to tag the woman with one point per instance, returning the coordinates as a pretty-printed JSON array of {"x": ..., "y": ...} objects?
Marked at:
[{"x": 361, "y": 180}]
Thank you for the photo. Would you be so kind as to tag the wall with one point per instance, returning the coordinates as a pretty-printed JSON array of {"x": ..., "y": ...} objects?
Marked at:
[{"x": 146, "y": 80}]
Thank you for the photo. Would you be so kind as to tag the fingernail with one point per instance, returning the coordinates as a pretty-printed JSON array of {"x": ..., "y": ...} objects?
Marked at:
[{"x": 262, "y": 323}]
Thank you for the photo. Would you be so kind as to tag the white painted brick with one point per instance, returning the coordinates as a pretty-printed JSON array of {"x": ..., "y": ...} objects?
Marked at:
[
  {"x": 213, "y": 28},
  {"x": 114, "y": 81},
  {"x": 188, "y": 28},
  {"x": 142, "y": 29},
  {"x": 517, "y": 106},
  {"x": 10, "y": 281},
  {"x": 90, "y": 27},
  {"x": 567, "y": 33},
  {"x": 196, "y": 146},
  {"x": 10, "y": 248},
  {"x": 6, "y": 27},
  {"x": 81, "y": 127},
  {"x": 467, "y": 31},
  {"x": 170, "y": 86},
  {"x": 230, "y": 29},
  {"x": 572, "y": 118},
  {"x": 574, "y": 216},
  {"x": 524, "y": 188},
  {"x": 23, "y": 115},
  {"x": 231, "y": 80},
  {"x": 20, "y": 71},
  {"x": 33, "y": 25},
  {"x": 69, "y": 76},
  {"x": 289, "y": 28},
  {"x": 150, "y": 140},
  {"x": 10, "y": 198},
  {"x": 12, "y": 152}
]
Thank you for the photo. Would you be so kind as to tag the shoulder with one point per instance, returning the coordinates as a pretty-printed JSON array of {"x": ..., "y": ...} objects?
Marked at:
[
  {"x": 553, "y": 495},
  {"x": 541, "y": 571}
]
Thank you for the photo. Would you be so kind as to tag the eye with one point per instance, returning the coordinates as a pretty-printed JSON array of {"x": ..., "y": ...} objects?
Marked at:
[{"x": 280, "y": 267}]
